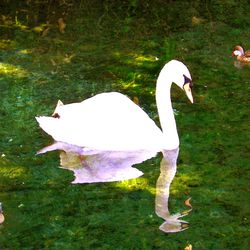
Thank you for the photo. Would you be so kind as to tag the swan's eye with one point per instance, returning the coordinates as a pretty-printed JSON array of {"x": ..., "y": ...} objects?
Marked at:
[
  {"x": 191, "y": 84},
  {"x": 187, "y": 81}
]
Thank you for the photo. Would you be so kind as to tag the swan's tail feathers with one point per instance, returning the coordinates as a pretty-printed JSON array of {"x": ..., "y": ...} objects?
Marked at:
[
  {"x": 49, "y": 124},
  {"x": 55, "y": 113}
]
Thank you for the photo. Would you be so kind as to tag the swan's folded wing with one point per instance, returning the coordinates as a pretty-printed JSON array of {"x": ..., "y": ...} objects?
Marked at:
[{"x": 108, "y": 121}]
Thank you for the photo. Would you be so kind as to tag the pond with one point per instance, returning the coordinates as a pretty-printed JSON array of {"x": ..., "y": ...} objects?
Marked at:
[{"x": 122, "y": 47}]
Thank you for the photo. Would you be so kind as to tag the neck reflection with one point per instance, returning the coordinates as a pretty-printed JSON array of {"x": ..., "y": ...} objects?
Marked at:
[{"x": 172, "y": 223}]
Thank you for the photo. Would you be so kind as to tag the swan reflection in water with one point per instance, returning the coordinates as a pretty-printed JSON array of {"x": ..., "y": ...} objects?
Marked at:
[
  {"x": 172, "y": 223},
  {"x": 98, "y": 166},
  {"x": 117, "y": 166}
]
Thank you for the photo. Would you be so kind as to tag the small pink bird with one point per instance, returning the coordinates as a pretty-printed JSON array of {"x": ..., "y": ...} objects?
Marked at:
[{"x": 241, "y": 55}]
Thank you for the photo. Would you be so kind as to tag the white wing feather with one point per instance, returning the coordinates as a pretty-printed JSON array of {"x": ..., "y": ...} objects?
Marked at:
[{"x": 108, "y": 121}]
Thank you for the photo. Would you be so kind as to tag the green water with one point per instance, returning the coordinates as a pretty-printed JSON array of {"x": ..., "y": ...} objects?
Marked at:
[{"x": 114, "y": 47}]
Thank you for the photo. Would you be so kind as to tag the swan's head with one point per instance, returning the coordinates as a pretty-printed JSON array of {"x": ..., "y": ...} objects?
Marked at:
[{"x": 180, "y": 75}]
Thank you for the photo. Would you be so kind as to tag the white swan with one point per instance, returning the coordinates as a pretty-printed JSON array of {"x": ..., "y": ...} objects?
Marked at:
[{"x": 111, "y": 122}]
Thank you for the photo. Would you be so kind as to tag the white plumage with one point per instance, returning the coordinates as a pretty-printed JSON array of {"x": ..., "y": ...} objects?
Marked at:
[
  {"x": 112, "y": 130},
  {"x": 108, "y": 121}
]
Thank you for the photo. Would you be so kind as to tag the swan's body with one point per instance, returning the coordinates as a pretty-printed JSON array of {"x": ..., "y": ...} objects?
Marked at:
[
  {"x": 107, "y": 121},
  {"x": 241, "y": 55},
  {"x": 111, "y": 122}
]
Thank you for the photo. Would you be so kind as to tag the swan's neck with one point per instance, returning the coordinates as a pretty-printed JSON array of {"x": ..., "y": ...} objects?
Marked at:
[{"x": 166, "y": 114}]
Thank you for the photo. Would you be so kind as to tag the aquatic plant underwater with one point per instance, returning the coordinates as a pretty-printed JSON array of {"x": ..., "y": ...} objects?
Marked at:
[{"x": 100, "y": 48}]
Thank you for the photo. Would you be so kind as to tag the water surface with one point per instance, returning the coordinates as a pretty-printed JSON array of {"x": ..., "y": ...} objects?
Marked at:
[{"x": 123, "y": 49}]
